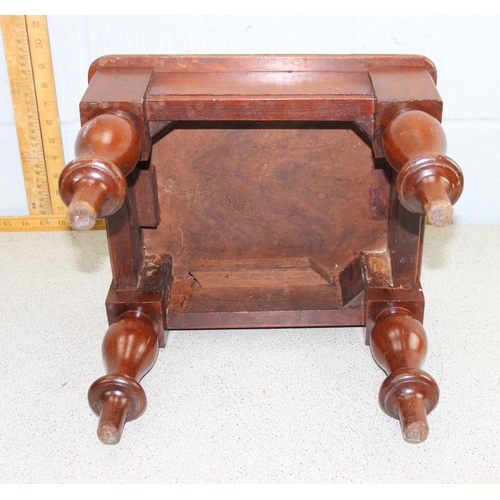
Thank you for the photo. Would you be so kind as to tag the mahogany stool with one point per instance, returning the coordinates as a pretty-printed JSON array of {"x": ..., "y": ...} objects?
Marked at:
[{"x": 261, "y": 192}]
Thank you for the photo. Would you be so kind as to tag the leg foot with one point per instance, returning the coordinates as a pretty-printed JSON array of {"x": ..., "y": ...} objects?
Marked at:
[{"x": 114, "y": 412}]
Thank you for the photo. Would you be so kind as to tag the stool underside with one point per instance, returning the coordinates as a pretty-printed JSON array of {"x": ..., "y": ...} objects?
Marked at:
[{"x": 260, "y": 220}]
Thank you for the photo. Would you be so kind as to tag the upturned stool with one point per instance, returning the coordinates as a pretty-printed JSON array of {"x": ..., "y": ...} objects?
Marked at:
[{"x": 261, "y": 192}]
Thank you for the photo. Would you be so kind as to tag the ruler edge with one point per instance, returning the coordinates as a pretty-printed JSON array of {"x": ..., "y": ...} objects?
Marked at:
[
  {"x": 56, "y": 202},
  {"x": 50, "y": 189},
  {"x": 27, "y": 163},
  {"x": 18, "y": 220}
]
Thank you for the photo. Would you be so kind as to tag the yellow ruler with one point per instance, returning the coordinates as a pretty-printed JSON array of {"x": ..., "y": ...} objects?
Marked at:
[
  {"x": 40, "y": 223},
  {"x": 29, "y": 65}
]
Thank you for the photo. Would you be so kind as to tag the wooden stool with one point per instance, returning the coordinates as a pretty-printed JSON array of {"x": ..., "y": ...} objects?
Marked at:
[{"x": 262, "y": 191}]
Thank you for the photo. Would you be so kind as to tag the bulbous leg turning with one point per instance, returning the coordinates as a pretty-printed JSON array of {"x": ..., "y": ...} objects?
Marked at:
[
  {"x": 398, "y": 343},
  {"x": 130, "y": 348}
]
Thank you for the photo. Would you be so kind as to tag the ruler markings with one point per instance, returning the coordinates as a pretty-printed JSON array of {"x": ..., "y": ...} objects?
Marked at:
[
  {"x": 48, "y": 114},
  {"x": 17, "y": 53},
  {"x": 50, "y": 222},
  {"x": 34, "y": 100}
]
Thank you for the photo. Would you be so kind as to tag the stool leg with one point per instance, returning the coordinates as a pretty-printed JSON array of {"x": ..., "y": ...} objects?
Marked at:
[
  {"x": 428, "y": 182},
  {"x": 93, "y": 185},
  {"x": 398, "y": 343},
  {"x": 130, "y": 348}
]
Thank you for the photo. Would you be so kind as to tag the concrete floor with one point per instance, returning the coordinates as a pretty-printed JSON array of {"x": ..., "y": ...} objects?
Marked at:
[{"x": 247, "y": 406}]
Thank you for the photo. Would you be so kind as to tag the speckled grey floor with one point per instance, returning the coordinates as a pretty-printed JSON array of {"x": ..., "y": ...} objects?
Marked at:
[{"x": 254, "y": 406}]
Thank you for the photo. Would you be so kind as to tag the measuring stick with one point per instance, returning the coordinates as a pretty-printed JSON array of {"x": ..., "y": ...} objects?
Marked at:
[
  {"x": 17, "y": 54},
  {"x": 40, "y": 223},
  {"x": 29, "y": 64},
  {"x": 48, "y": 115}
]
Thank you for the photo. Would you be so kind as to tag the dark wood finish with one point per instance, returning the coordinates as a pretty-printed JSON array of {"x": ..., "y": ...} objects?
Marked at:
[
  {"x": 123, "y": 92},
  {"x": 270, "y": 191},
  {"x": 428, "y": 182},
  {"x": 94, "y": 185},
  {"x": 398, "y": 343},
  {"x": 130, "y": 348}
]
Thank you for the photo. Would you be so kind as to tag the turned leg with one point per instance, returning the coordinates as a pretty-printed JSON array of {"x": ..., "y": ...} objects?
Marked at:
[
  {"x": 130, "y": 348},
  {"x": 428, "y": 181},
  {"x": 93, "y": 185},
  {"x": 398, "y": 343}
]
